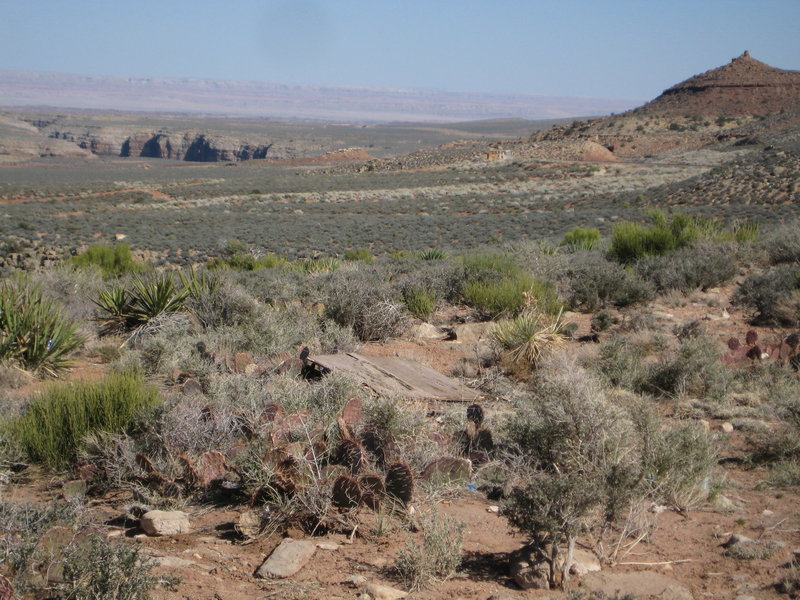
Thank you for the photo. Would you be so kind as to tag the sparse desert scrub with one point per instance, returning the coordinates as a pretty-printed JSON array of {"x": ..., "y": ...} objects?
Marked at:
[
  {"x": 436, "y": 556},
  {"x": 373, "y": 312},
  {"x": 773, "y": 295},
  {"x": 700, "y": 266},
  {"x": 583, "y": 462},
  {"x": 694, "y": 368},
  {"x": 593, "y": 281},
  {"x": 33, "y": 332},
  {"x": 52, "y": 426},
  {"x": 42, "y": 540},
  {"x": 782, "y": 244}
]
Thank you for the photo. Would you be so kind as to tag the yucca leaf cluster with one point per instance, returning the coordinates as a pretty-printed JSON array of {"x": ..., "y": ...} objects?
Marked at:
[
  {"x": 33, "y": 331},
  {"x": 125, "y": 308}
]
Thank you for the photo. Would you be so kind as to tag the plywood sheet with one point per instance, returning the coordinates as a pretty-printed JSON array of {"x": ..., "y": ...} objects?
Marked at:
[{"x": 392, "y": 375}]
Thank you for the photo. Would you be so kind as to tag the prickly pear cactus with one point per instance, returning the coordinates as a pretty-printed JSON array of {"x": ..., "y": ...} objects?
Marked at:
[
  {"x": 346, "y": 492},
  {"x": 399, "y": 483}
]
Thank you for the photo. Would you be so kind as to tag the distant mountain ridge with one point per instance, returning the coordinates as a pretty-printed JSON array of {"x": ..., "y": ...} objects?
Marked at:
[{"x": 290, "y": 101}]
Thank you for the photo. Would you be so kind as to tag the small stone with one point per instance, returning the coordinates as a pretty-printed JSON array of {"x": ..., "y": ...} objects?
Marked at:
[
  {"x": 74, "y": 489},
  {"x": 331, "y": 547},
  {"x": 767, "y": 513},
  {"x": 737, "y": 538},
  {"x": 192, "y": 387},
  {"x": 727, "y": 427},
  {"x": 493, "y": 509},
  {"x": 384, "y": 592},
  {"x": 287, "y": 559},
  {"x": 163, "y": 522},
  {"x": 705, "y": 424},
  {"x": 355, "y": 580}
]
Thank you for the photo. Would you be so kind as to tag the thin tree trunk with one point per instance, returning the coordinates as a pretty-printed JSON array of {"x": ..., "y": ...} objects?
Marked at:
[{"x": 567, "y": 561}]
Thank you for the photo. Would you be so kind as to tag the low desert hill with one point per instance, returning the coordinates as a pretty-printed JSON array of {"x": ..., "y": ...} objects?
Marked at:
[
  {"x": 745, "y": 86},
  {"x": 738, "y": 103}
]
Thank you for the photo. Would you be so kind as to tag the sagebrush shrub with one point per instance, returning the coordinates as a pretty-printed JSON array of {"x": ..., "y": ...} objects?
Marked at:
[
  {"x": 773, "y": 295},
  {"x": 594, "y": 281},
  {"x": 700, "y": 266},
  {"x": 437, "y": 556}
]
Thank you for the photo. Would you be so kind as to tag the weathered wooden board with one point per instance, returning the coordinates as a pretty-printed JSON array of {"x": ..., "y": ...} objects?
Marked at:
[{"x": 391, "y": 375}]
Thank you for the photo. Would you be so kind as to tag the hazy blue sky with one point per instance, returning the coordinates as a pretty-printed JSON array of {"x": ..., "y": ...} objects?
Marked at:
[{"x": 622, "y": 48}]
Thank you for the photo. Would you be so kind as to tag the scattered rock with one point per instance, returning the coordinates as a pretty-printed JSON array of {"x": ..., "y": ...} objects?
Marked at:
[
  {"x": 727, "y": 427},
  {"x": 174, "y": 562},
  {"x": 493, "y": 509},
  {"x": 74, "y": 489},
  {"x": 383, "y": 592},
  {"x": 355, "y": 580},
  {"x": 529, "y": 572},
  {"x": 287, "y": 559},
  {"x": 584, "y": 562},
  {"x": 471, "y": 332},
  {"x": 163, "y": 522},
  {"x": 448, "y": 469},
  {"x": 426, "y": 331},
  {"x": 640, "y": 584},
  {"x": 192, "y": 387},
  {"x": 329, "y": 546}
]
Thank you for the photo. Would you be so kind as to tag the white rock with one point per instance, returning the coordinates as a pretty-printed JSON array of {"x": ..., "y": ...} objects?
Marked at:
[
  {"x": 493, "y": 509},
  {"x": 165, "y": 522},
  {"x": 287, "y": 559},
  {"x": 727, "y": 427},
  {"x": 384, "y": 592}
]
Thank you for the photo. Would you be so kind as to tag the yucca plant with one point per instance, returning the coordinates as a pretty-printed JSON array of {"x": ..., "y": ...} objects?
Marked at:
[
  {"x": 315, "y": 265},
  {"x": 198, "y": 285},
  {"x": 526, "y": 337},
  {"x": 33, "y": 331},
  {"x": 432, "y": 254},
  {"x": 148, "y": 298},
  {"x": 113, "y": 302},
  {"x": 155, "y": 296}
]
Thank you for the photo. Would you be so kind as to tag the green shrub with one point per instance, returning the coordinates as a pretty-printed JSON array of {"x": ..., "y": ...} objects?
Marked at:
[
  {"x": 113, "y": 262},
  {"x": 581, "y": 239},
  {"x": 33, "y": 332},
  {"x": 361, "y": 254},
  {"x": 632, "y": 241},
  {"x": 52, "y": 426},
  {"x": 496, "y": 285},
  {"x": 420, "y": 302}
]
